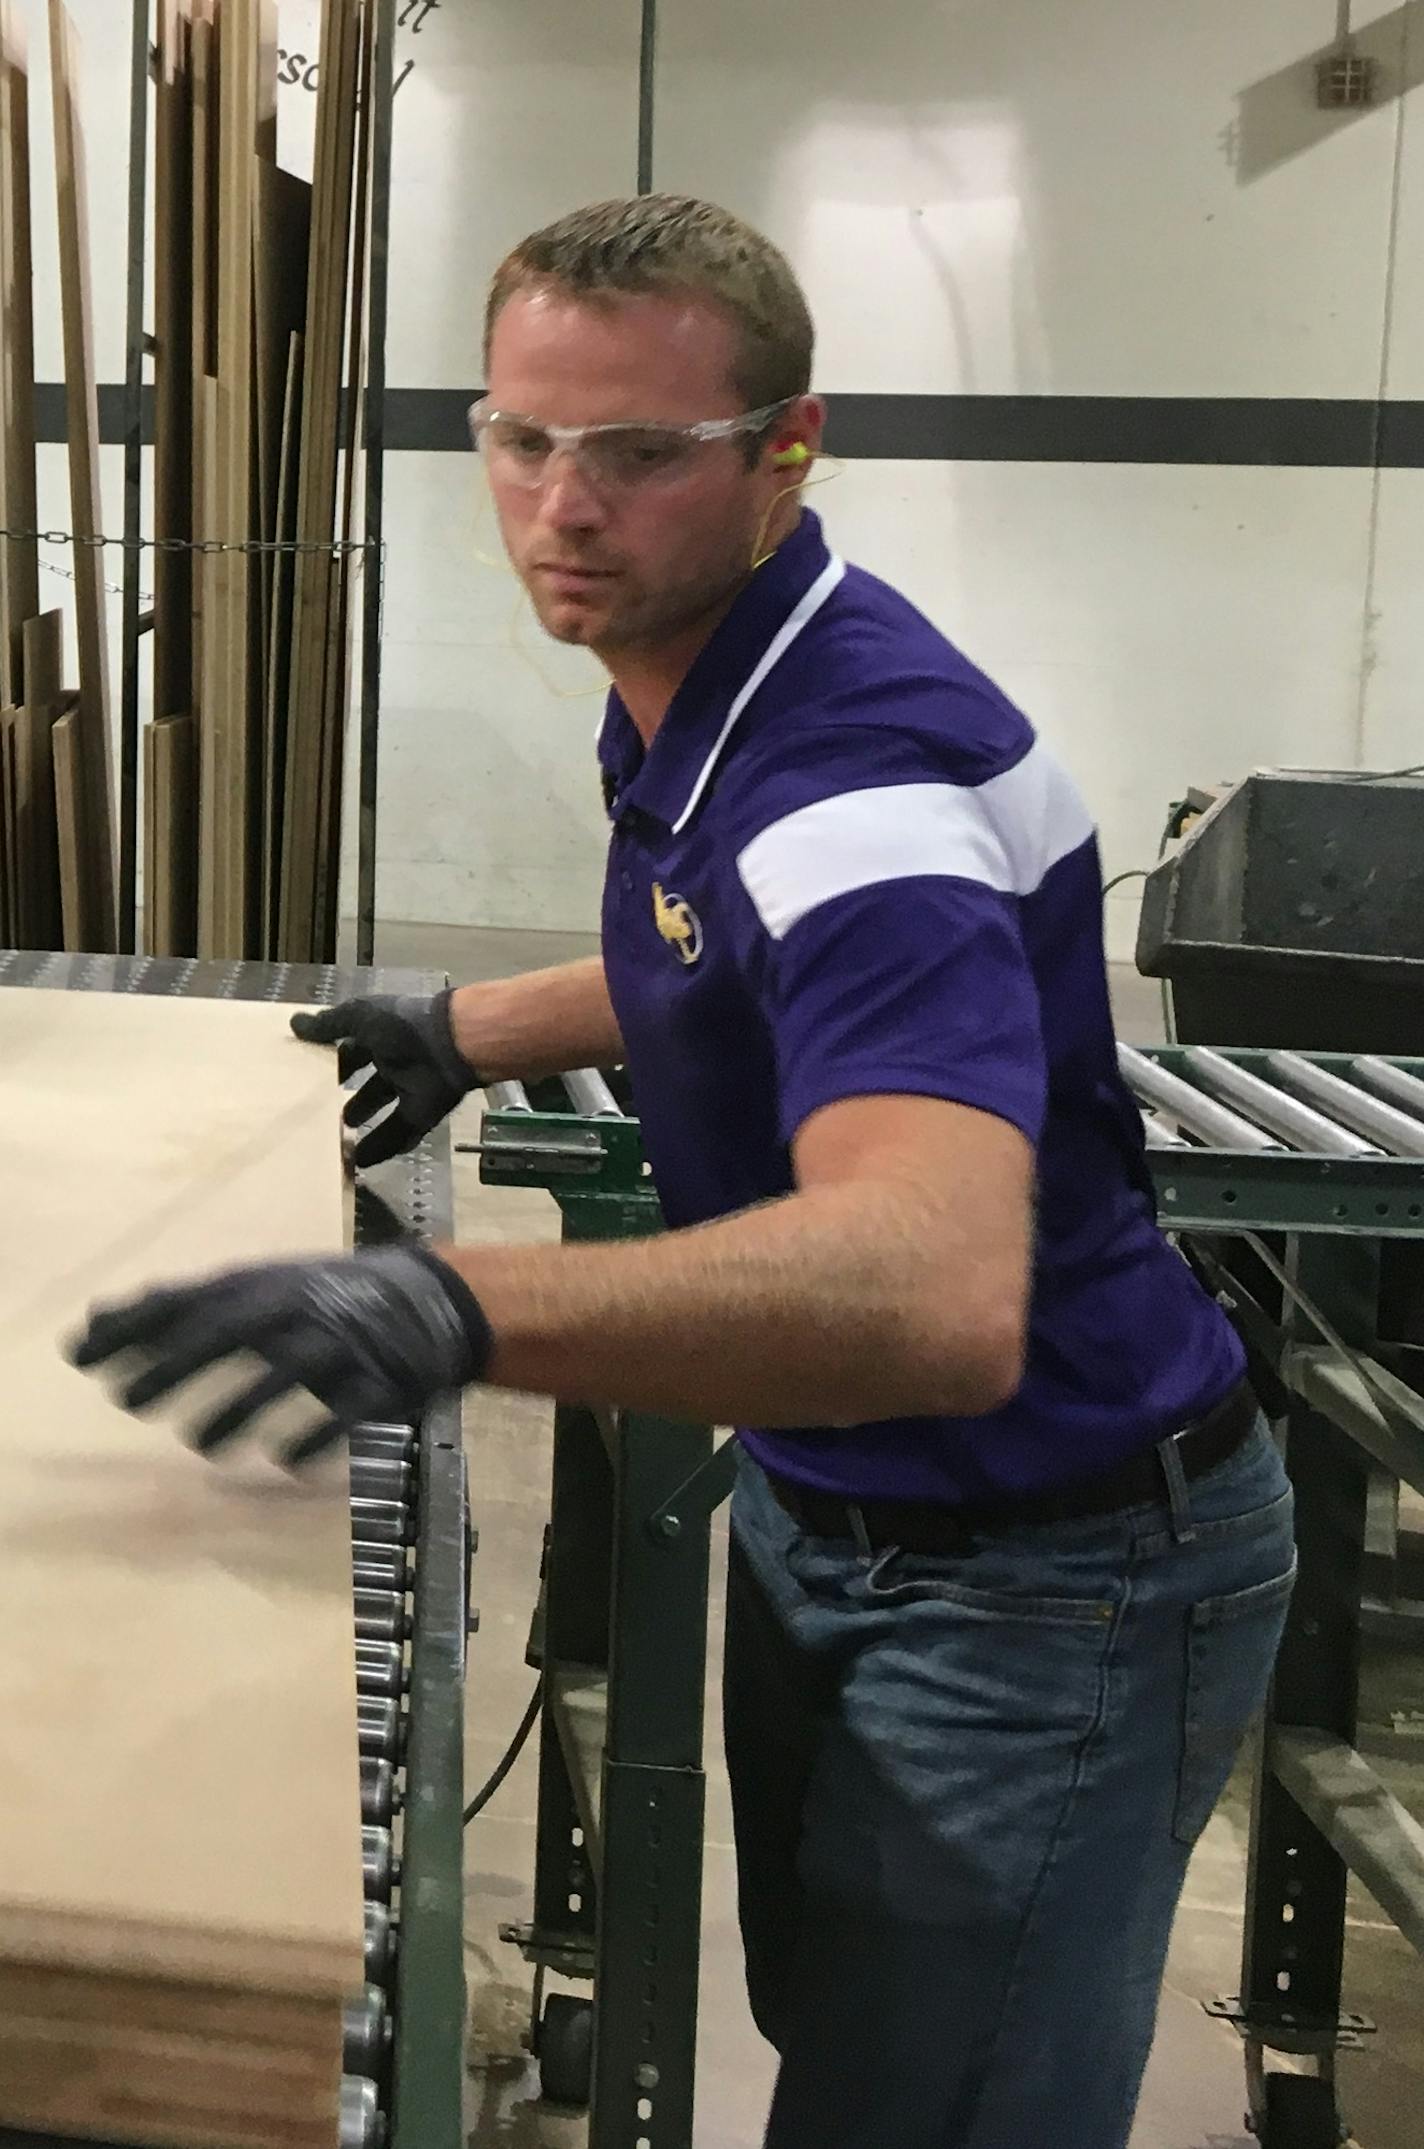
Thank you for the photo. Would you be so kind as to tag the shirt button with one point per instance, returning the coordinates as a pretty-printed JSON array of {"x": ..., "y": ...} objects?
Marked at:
[{"x": 627, "y": 880}]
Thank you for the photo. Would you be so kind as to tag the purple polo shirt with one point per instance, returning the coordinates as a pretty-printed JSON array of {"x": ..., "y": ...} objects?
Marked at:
[{"x": 847, "y": 867}]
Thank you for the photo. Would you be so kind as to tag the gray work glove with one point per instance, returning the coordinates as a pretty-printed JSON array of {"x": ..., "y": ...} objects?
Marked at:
[
  {"x": 375, "y": 1337},
  {"x": 415, "y": 1066}
]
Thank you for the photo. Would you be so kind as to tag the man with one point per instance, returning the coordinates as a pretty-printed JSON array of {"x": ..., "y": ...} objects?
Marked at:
[{"x": 1011, "y": 1550}]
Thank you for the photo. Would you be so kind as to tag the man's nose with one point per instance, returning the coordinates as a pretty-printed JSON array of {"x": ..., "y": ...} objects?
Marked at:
[{"x": 568, "y": 499}]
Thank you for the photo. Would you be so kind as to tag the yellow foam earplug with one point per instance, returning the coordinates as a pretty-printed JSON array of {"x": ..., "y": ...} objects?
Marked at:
[{"x": 791, "y": 458}]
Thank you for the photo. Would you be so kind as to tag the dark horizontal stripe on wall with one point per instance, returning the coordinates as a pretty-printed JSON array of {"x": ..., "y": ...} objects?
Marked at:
[{"x": 1253, "y": 431}]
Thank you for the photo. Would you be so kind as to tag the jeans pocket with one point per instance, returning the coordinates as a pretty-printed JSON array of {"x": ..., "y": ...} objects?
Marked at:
[
  {"x": 904, "y": 1578},
  {"x": 1231, "y": 1648}
]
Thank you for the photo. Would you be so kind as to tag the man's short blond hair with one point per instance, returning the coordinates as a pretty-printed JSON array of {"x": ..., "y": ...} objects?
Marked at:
[{"x": 672, "y": 243}]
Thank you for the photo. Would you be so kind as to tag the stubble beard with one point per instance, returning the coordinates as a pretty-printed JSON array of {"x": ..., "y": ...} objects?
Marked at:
[{"x": 648, "y": 620}]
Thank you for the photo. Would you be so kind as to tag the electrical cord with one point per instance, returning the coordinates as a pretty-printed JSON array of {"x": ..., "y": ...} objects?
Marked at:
[
  {"x": 1375, "y": 1379},
  {"x": 515, "y": 1748},
  {"x": 1171, "y": 828}
]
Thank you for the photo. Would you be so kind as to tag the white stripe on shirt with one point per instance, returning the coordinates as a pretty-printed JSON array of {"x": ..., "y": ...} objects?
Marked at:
[
  {"x": 831, "y": 574},
  {"x": 1006, "y": 834}
]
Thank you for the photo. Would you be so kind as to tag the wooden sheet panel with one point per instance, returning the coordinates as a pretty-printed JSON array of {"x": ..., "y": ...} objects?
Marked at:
[
  {"x": 172, "y": 2092},
  {"x": 204, "y": 357},
  {"x": 173, "y": 359},
  {"x": 346, "y": 565},
  {"x": 38, "y": 920},
  {"x": 72, "y": 833},
  {"x": 170, "y": 817},
  {"x": 227, "y": 620},
  {"x": 281, "y": 241},
  {"x": 42, "y": 639},
  {"x": 182, "y": 1800},
  {"x": 314, "y": 585},
  {"x": 279, "y": 656},
  {"x": 81, "y": 403},
  {"x": 9, "y": 836},
  {"x": 19, "y": 556}
]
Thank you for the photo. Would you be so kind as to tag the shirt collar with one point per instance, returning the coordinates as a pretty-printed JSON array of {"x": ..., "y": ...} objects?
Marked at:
[{"x": 782, "y": 596}]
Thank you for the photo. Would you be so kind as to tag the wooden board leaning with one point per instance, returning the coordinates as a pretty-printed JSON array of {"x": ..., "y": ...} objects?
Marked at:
[
  {"x": 181, "y": 1900},
  {"x": 96, "y": 862}
]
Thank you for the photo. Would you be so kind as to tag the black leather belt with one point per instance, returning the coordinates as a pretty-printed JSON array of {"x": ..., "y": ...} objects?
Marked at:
[{"x": 925, "y": 1526}]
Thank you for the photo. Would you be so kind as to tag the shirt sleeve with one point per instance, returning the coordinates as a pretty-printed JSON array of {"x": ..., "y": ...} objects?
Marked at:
[
  {"x": 889, "y": 919},
  {"x": 917, "y": 987}
]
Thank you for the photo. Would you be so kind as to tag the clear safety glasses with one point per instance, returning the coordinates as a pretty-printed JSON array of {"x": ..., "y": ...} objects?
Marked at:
[{"x": 613, "y": 457}]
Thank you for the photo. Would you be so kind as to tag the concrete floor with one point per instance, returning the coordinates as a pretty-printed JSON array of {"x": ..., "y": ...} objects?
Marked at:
[{"x": 1193, "y": 2097}]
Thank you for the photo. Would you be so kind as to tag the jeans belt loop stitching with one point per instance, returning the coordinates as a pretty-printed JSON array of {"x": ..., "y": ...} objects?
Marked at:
[{"x": 1179, "y": 1498}]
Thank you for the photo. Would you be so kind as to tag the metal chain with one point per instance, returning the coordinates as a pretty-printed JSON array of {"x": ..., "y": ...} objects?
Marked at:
[
  {"x": 334, "y": 546},
  {"x": 67, "y": 574}
]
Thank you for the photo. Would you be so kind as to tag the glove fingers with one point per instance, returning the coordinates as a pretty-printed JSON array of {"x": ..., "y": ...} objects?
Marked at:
[
  {"x": 314, "y": 1443},
  {"x": 236, "y": 1415},
  {"x": 373, "y": 1096},
  {"x": 300, "y": 1358},
  {"x": 325, "y": 1025},
  {"x": 352, "y": 1054},
  {"x": 132, "y": 1323},
  {"x": 388, "y": 1138},
  {"x": 179, "y": 1363}
]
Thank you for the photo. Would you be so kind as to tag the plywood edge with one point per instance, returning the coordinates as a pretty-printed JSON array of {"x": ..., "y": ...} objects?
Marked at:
[
  {"x": 161, "y": 2005},
  {"x": 297, "y": 1966}
]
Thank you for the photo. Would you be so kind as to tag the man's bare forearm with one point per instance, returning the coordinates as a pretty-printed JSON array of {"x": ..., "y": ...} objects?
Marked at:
[
  {"x": 518, "y": 1029},
  {"x": 834, "y": 1305}
]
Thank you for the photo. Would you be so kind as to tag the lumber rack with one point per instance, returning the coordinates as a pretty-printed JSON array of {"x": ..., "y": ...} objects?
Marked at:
[
  {"x": 137, "y": 618},
  {"x": 412, "y": 1547},
  {"x": 1295, "y": 1183}
]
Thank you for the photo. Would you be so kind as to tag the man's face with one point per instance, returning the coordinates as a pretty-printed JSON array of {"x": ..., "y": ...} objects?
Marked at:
[{"x": 624, "y": 567}]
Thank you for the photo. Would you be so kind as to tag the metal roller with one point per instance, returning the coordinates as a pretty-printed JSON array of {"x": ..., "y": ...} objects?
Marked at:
[
  {"x": 379, "y": 1867},
  {"x": 1184, "y": 1102},
  {"x": 380, "y": 1567},
  {"x": 364, "y": 2033},
  {"x": 380, "y": 1477},
  {"x": 590, "y": 1094},
  {"x": 384, "y": 1522},
  {"x": 380, "y": 1943},
  {"x": 380, "y": 1668},
  {"x": 378, "y": 1726},
  {"x": 361, "y": 2124},
  {"x": 378, "y": 1792},
  {"x": 1396, "y": 1083},
  {"x": 1398, "y": 1132},
  {"x": 1160, "y": 1135},
  {"x": 1297, "y": 1123},
  {"x": 507, "y": 1097},
  {"x": 380, "y": 1616},
  {"x": 397, "y": 1440}
]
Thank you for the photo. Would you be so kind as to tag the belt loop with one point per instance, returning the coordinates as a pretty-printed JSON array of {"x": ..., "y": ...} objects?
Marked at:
[
  {"x": 861, "y": 1535},
  {"x": 1179, "y": 1499}
]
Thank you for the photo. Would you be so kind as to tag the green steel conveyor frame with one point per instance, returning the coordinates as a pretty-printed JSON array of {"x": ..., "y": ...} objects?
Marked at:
[
  {"x": 622, "y": 1647},
  {"x": 624, "y": 1628}
]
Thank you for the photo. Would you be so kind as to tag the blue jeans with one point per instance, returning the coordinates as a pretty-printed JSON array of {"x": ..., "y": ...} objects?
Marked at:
[{"x": 965, "y": 1790}]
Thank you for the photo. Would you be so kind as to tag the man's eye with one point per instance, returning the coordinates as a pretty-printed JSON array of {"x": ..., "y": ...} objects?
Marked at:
[
  {"x": 525, "y": 443},
  {"x": 643, "y": 452}
]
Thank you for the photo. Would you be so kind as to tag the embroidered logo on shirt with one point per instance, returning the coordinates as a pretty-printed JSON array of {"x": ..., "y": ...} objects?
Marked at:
[{"x": 679, "y": 925}]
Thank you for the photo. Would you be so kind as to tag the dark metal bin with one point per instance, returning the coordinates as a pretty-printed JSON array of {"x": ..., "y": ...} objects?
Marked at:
[{"x": 1293, "y": 916}]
